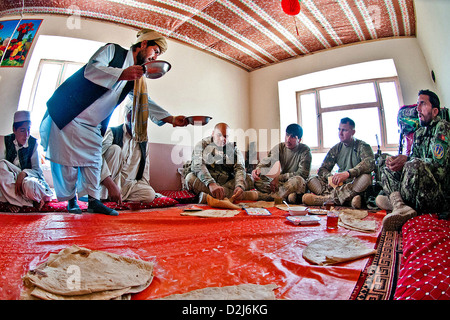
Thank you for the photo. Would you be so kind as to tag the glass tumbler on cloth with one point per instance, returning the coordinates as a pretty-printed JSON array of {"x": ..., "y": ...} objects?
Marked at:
[{"x": 332, "y": 220}]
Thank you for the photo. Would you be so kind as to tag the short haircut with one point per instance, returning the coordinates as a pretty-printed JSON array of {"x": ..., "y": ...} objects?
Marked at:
[
  {"x": 349, "y": 121},
  {"x": 295, "y": 129},
  {"x": 434, "y": 99},
  {"x": 17, "y": 125}
]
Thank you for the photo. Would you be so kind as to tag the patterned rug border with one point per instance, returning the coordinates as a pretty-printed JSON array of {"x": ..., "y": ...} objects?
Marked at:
[{"x": 378, "y": 279}]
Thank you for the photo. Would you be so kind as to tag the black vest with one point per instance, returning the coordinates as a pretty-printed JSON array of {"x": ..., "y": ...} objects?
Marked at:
[
  {"x": 118, "y": 139},
  {"x": 24, "y": 153},
  {"x": 77, "y": 93}
]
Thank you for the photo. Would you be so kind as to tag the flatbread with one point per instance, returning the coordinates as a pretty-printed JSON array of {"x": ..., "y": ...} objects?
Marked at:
[
  {"x": 246, "y": 291},
  {"x": 335, "y": 249},
  {"x": 212, "y": 213},
  {"x": 349, "y": 222},
  {"x": 224, "y": 204},
  {"x": 355, "y": 213},
  {"x": 100, "y": 274},
  {"x": 259, "y": 204}
]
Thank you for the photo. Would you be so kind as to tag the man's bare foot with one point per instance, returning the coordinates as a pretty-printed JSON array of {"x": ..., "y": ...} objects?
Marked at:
[{"x": 39, "y": 205}]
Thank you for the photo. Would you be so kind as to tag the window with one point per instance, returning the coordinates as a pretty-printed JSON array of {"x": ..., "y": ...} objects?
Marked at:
[
  {"x": 50, "y": 74},
  {"x": 372, "y": 104}
]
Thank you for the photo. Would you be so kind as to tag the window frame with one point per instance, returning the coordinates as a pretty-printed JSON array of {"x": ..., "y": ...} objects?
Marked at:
[
  {"x": 378, "y": 104},
  {"x": 37, "y": 77}
]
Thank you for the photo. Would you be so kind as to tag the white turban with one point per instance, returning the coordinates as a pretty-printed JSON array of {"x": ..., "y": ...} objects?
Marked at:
[{"x": 149, "y": 35}]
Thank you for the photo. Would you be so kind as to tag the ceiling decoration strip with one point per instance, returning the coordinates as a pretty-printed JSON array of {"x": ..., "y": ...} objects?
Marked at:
[{"x": 248, "y": 33}]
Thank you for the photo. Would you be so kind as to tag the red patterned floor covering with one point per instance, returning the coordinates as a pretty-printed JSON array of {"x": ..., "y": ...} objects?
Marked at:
[
  {"x": 189, "y": 252},
  {"x": 425, "y": 267},
  {"x": 61, "y": 206}
]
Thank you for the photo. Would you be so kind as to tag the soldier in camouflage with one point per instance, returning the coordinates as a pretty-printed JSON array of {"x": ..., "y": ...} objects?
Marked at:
[
  {"x": 420, "y": 182},
  {"x": 355, "y": 161},
  {"x": 218, "y": 168},
  {"x": 293, "y": 159}
]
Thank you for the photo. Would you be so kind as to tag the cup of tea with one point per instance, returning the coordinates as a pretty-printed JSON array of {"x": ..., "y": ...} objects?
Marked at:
[
  {"x": 328, "y": 204},
  {"x": 332, "y": 220}
]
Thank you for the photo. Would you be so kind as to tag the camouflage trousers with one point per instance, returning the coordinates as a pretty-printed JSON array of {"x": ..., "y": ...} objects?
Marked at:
[
  {"x": 293, "y": 185},
  {"x": 342, "y": 194},
  {"x": 417, "y": 186},
  {"x": 195, "y": 185}
]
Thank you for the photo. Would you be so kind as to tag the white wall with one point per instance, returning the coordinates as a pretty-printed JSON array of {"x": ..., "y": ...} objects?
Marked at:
[
  {"x": 433, "y": 25},
  {"x": 197, "y": 84},
  {"x": 406, "y": 53}
]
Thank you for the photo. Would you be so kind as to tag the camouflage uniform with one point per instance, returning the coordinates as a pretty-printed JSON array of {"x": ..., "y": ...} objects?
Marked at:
[
  {"x": 222, "y": 165},
  {"x": 295, "y": 167},
  {"x": 361, "y": 162},
  {"x": 424, "y": 182}
]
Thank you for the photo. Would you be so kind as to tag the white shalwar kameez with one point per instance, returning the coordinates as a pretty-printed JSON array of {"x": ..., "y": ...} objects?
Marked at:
[
  {"x": 75, "y": 151},
  {"x": 34, "y": 187}
]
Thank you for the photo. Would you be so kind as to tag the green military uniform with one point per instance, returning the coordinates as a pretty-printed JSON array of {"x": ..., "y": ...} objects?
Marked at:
[
  {"x": 222, "y": 165},
  {"x": 424, "y": 182},
  {"x": 295, "y": 167},
  {"x": 357, "y": 158}
]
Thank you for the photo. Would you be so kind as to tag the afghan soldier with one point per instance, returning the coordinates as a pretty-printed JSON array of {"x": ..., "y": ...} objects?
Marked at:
[
  {"x": 355, "y": 161},
  {"x": 218, "y": 168},
  {"x": 294, "y": 161},
  {"x": 419, "y": 182}
]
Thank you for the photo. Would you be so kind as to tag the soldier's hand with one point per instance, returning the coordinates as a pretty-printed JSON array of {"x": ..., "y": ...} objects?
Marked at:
[
  {"x": 217, "y": 191},
  {"x": 340, "y": 177},
  {"x": 256, "y": 174},
  {"x": 238, "y": 193},
  {"x": 396, "y": 163}
]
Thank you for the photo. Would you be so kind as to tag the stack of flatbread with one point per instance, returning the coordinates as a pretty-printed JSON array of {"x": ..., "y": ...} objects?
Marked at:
[
  {"x": 335, "y": 249},
  {"x": 211, "y": 213},
  {"x": 353, "y": 220},
  {"x": 246, "y": 291},
  {"x": 77, "y": 273}
]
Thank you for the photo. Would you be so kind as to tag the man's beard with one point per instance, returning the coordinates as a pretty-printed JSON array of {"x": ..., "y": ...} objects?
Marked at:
[{"x": 140, "y": 59}]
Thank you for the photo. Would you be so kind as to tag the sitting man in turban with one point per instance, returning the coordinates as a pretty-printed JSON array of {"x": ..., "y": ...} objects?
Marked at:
[
  {"x": 79, "y": 110},
  {"x": 22, "y": 181}
]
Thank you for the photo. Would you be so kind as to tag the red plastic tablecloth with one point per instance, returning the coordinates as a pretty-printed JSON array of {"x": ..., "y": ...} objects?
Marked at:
[{"x": 189, "y": 252}]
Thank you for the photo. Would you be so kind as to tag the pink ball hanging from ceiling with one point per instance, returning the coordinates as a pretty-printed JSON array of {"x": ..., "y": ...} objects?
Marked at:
[{"x": 290, "y": 7}]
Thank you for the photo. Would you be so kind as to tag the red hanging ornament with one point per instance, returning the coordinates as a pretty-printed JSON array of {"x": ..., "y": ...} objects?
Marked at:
[{"x": 291, "y": 7}]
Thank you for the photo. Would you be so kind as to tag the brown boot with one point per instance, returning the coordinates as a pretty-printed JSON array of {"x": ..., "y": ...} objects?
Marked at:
[
  {"x": 356, "y": 202},
  {"x": 310, "y": 199},
  {"x": 250, "y": 195},
  {"x": 383, "y": 202},
  {"x": 400, "y": 213}
]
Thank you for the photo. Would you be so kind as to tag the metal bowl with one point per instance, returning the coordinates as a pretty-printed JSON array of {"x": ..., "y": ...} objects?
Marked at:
[
  {"x": 156, "y": 69},
  {"x": 198, "y": 120}
]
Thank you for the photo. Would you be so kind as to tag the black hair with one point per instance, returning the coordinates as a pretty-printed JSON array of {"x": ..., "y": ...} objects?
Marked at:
[
  {"x": 349, "y": 121},
  {"x": 295, "y": 129},
  {"x": 138, "y": 45},
  {"x": 434, "y": 99},
  {"x": 18, "y": 124}
]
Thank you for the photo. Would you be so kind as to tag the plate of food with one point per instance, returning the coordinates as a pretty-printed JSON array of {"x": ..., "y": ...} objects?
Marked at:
[
  {"x": 317, "y": 211},
  {"x": 303, "y": 220}
]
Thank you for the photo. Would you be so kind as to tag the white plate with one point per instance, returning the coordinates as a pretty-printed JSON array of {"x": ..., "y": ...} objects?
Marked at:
[
  {"x": 317, "y": 211},
  {"x": 304, "y": 220}
]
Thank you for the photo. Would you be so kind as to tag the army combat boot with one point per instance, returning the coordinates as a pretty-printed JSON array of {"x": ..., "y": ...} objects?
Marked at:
[
  {"x": 310, "y": 199},
  {"x": 400, "y": 213}
]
